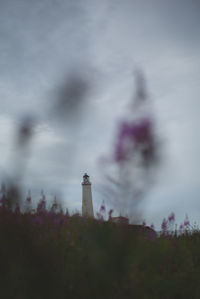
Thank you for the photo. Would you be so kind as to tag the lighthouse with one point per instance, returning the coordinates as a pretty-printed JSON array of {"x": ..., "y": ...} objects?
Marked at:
[{"x": 87, "y": 206}]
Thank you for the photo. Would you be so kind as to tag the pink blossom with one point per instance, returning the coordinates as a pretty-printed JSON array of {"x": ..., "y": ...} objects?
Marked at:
[
  {"x": 181, "y": 227},
  {"x": 41, "y": 207},
  {"x": 171, "y": 217},
  {"x": 28, "y": 199},
  {"x": 186, "y": 223},
  {"x": 152, "y": 226},
  {"x": 164, "y": 225},
  {"x": 131, "y": 134},
  {"x": 102, "y": 208}
]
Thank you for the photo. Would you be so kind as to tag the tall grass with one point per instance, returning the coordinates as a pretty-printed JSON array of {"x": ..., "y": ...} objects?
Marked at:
[{"x": 51, "y": 254}]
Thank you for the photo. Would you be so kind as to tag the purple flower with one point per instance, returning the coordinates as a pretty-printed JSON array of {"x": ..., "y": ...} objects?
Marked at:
[
  {"x": 102, "y": 208},
  {"x": 41, "y": 207},
  {"x": 28, "y": 199},
  {"x": 181, "y": 227},
  {"x": 186, "y": 223},
  {"x": 132, "y": 134},
  {"x": 99, "y": 217},
  {"x": 152, "y": 226},
  {"x": 164, "y": 225},
  {"x": 141, "y": 132},
  {"x": 171, "y": 217}
]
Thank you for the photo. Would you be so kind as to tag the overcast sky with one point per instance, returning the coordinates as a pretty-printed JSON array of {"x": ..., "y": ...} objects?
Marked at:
[{"x": 43, "y": 41}]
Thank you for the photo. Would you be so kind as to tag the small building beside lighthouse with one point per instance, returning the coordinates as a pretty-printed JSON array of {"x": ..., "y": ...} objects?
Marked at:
[{"x": 87, "y": 206}]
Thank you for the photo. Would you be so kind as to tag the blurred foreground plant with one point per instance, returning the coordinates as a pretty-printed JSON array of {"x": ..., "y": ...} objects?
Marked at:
[{"x": 131, "y": 168}]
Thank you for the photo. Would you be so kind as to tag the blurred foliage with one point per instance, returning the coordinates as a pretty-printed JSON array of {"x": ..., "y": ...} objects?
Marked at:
[
  {"x": 48, "y": 254},
  {"x": 131, "y": 168}
]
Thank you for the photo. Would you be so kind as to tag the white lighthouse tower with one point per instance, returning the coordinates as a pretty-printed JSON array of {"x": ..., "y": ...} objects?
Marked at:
[{"x": 87, "y": 206}]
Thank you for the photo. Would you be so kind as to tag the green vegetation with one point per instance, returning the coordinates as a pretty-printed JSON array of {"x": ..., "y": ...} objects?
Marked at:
[{"x": 53, "y": 255}]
